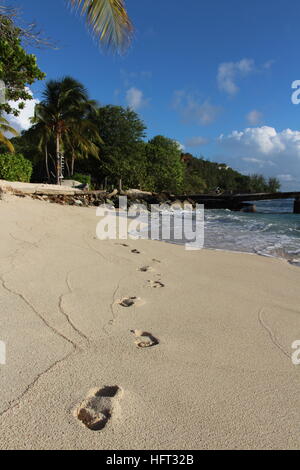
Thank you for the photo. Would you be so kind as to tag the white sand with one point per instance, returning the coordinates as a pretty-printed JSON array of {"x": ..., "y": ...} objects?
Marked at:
[{"x": 220, "y": 377}]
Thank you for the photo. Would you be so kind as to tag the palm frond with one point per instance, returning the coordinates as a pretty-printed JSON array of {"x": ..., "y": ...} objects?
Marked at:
[
  {"x": 6, "y": 128},
  {"x": 7, "y": 143},
  {"x": 108, "y": 21}
]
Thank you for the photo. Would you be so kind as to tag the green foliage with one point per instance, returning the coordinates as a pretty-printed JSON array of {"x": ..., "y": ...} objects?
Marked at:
[
  {"x": 119, "y": 126},
  {"x": 66, "y": 120},
  {"x": 28, "y": 145},
  {"x": 127, "y": 163},
  {"x": 274, "y": 185},
  {"x": 259, "y": 184},
  {"x": 108, "y": 20},
  {"x": 122, "y": 153},
  {"x": 164, "y": 165},
  {"x": 17, "y": 68},
  {"x": 81, "y": 178},
  {"x": 202, "y": 175},
  {"x": 4, "y": 129},
  {"x": 194, "y": 183},
  {"x": 14, "y": 167}
]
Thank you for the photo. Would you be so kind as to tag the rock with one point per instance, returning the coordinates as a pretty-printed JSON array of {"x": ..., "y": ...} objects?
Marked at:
[
  {"x": 177, "y": 205},
  {"x": 249, "y": 208}
]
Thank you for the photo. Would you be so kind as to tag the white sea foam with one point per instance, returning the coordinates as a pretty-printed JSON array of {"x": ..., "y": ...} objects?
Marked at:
[{"x": 272, "y": 231}]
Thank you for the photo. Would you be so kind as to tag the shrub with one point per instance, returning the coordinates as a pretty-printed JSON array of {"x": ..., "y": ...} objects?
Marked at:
[
  {"x": 83, "y": 179},
  {"x": 14, "y": 167}
]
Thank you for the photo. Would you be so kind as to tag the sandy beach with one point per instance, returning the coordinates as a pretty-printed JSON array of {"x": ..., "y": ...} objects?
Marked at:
[{"x": 219, "y": 373}]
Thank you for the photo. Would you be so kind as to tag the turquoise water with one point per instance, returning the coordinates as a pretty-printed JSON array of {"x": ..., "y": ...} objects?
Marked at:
[{"x": 272, "y": 231}]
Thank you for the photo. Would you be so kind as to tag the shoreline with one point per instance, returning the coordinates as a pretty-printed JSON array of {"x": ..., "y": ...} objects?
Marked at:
[
  {"x": 75, "y": 312},
  {"x": 75, "y": 197}
]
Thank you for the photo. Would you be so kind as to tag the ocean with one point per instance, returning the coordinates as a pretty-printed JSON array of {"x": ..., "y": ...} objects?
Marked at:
[{"x": 272, "y": 231}]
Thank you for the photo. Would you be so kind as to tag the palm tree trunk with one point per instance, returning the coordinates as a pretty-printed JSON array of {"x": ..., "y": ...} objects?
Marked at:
[
  {"x": 46, "y": 162},
  {"x": 58, "y": 159},
  {"x": 72, "y": 164},
  {"x": 68, "y": 168}
]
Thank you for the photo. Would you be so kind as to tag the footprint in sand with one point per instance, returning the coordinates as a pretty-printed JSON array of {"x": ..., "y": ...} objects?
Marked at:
[
  {"x": 155, "y": 284},
  {"x": 127, "y": 302},
  {"x": 130, "y": 301},
  {"x": 99, "y": 406},
  {"x": 145, "y": 269},
  {"x": 135, "y": 251},
  {"x": 144, "y": 339}
]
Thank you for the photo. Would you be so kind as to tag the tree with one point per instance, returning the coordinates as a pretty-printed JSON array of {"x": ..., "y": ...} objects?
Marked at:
[
  {"x": 108, "y": 21},
  {"x": 28, "y": 33},
  {"x": 119, "y": 125},
  {"x": 258, "y": 184},
  {"x": 164, "y": 165},
  {"x": 122, "y": 152},
  {"x": 274, "y": 185},
  {"x": 38, "y": 137},
  {"x": 60, "y": 112},
  {"x": 38, "y": 147},
  {"x": 18, "y": 69},
  {"x": 82, "y": 139},
  {"x": 5, "y": 128},
  {"x": 125, "y": 165},
  {"x": 201, "y": 174}
]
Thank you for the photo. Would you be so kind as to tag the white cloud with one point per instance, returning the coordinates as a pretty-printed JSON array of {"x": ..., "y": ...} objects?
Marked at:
[
  {"x": 135, "y": 98},
  {"x": 263, "y": 148},
  {"x": 194, "y": 110},
  {"x": 196, "y": 141},
  {"x": 230, "y": 72},
  {"x": 263, "y": 140},
  {"x": 254, "y": 117},
  {"x": 180, "y": 146},
  {"x": 286, "y": 178},
  {"x": 22, "y": 122}
]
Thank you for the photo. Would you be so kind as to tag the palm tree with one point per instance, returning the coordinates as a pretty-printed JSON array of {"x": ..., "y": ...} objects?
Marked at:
[
  {"x": 59, "y": 111},
  {"x": 5, "y": 128},
  {"x": 82, "y": 141},
  {"x": 107, "y": 20},
  {"x": 40, "y": 132},
  {"x": 65, "y": 117}
]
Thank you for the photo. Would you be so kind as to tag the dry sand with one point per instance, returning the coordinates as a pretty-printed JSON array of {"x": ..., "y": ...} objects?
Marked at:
[{"x": 218, "y": 375}]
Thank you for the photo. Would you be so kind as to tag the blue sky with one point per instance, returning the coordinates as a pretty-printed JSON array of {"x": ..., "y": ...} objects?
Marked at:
[{"x": 196, "y": 71}]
